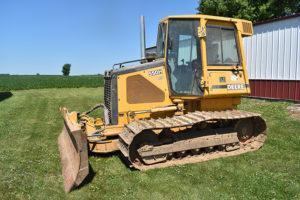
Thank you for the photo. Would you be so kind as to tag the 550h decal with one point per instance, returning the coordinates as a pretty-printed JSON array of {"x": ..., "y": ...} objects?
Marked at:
[{"x": 155, "y": 72}]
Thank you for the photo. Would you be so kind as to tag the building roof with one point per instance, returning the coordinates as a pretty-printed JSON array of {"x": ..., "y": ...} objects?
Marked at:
[{"x": 277, "y": 19}]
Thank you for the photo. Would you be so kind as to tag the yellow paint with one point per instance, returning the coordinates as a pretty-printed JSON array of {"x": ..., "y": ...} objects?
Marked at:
[
  {"x": 220, "y": 23},
  {"x": 219, "y": 104},
  {"x": 204, "y": 80}
]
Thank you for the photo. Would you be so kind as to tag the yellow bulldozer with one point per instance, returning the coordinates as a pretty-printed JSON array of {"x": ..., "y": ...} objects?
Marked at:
[{"x": 177, "y": 106}]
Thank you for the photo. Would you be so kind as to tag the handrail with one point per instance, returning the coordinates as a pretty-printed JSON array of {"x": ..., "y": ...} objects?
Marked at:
[{"x": 126, "y": 62}]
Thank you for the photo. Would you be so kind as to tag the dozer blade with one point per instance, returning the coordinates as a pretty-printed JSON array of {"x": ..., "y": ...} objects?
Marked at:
[{"x": 72, "y": 144}]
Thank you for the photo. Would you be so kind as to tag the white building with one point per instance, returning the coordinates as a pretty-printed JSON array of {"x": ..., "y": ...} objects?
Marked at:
[{"x": 273, "y": 58}]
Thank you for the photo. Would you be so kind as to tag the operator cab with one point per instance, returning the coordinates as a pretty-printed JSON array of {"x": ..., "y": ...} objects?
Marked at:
[{"x": 179, "y": 42}]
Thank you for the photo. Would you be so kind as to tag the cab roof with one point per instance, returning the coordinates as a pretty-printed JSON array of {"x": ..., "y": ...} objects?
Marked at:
[
  {"x": 245, "y": 26},
  {"x": 207, "y": 17}
]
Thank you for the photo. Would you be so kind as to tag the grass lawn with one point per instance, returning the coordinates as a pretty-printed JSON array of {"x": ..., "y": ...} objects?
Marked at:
[{"x": 30, "y": 168}]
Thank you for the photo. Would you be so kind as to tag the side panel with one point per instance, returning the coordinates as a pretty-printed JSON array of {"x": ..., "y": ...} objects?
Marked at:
[
  {"x": 141, "y": 91},
  {"x": 111, "y": 94}
]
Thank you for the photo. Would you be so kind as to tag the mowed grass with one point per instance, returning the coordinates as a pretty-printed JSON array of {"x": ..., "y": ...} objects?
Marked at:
[
  {"x": 23, "y": 82},
  {"x": 29, "y": 159}
]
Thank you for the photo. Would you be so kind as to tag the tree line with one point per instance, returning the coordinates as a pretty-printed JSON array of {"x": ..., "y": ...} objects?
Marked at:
[{"x": 253, "y": 10}]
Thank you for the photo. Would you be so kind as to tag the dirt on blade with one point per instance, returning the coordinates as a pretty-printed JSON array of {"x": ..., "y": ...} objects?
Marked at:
[{"x": 74, "y": 156}]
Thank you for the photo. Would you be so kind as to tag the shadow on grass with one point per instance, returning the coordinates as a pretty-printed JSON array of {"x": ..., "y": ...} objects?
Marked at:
[
  {"x": 5, "y": 95},
  {"x": 123, "y": 159},
  {"x": 88, "y": 179},
  {"x": 126, "y": 162},
  {"x": 92, "y": 172}
]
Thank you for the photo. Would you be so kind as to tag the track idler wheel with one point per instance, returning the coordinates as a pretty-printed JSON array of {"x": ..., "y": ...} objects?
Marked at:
[
  {"x": 244, "y": 129},
  {"x": 253, "y": 129}
]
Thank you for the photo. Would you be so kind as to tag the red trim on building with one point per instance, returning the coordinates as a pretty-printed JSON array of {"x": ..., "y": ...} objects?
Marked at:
[{"x": 276, "y": 89}]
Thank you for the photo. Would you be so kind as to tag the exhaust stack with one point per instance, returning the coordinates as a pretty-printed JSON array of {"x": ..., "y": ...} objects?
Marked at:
[{"x": 142, "y": 36}]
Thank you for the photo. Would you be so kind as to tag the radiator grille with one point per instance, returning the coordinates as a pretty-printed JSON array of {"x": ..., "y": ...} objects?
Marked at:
[
  {"x": 247, "y": 28},
  {"x": 107, "y": 94}
]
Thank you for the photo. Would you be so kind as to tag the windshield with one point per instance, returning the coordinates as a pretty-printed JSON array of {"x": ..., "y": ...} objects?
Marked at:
[
  {"x": 221, "y": 46},
  {"x": 183, "y": 57}
]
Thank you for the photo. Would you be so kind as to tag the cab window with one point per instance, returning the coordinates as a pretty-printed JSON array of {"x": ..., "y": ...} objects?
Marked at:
[{"x": 221, "y": 46}]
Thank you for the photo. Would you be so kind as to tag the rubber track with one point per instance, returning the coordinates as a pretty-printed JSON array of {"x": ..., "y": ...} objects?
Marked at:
[{"x": 187, "y": 120}]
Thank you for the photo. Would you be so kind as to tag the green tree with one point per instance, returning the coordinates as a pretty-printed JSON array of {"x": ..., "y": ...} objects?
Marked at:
[
  {"x": 254, "y": 10},
  {"x": 66, "y": 69}
]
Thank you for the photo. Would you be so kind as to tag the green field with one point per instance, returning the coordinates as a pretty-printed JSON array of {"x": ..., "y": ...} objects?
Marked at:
[
  {"x": 23, "y": 82},
  {"x": 30, "y": 169}
]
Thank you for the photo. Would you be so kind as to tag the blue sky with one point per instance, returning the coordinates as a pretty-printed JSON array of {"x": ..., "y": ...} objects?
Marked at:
[{"x": 39, "y": 36}]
